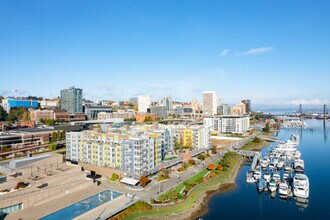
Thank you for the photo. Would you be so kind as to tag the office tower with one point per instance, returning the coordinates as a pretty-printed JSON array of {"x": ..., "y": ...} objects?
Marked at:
[
  {"x": 144, "y": 102},
  {"x": 71, "y": 100}
]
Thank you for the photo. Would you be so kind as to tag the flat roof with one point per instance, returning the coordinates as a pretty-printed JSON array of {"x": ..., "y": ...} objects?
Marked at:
[
  {"x": 31, "y": 158},
  {"x": 129, "y": 181}
]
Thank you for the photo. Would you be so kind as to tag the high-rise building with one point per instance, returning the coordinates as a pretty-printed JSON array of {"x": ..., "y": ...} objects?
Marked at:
[
  {"x": 224, "y": 109},
  {"x": 239, "y": 109},
  {"x": 168, "y": 102},
  {"x": 210, "y": 102},
  {"x": 228, "y": 124},
  {"x": 71, "y": 100},
  {"x": 195, "y": 105},
  {"x": 144, "y": 102},
  {"x": 247, "y": 103}
]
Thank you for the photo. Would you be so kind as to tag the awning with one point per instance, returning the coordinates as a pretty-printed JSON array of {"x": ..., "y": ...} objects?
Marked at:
[{"x": 129, "y": 181}]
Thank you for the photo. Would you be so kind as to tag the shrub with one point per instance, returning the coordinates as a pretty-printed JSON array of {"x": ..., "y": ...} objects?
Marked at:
[
  {"x": 52, "y": 147},
  {"x": 211, "y": 166},
  {"x": 192, "y": 162},
  {"x": 219, "y": 167},
  {"x": 214, "y": 150},
  {"x": 144, "y": 181},
  {"x": 181, "y": 169},
  {"x": 114, "y": 177},
  {"x": 201, "y": 157},
  {"x": 199, "y": 180},
  {"x": 257, "y": 140}
]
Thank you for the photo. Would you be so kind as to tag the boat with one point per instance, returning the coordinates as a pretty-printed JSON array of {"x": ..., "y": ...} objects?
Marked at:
[
  {"x": 272, "y": 186},
  {"x": 287, "y": 168},
  {"x": 285, "y": 177},
  {"x": 301, "y": 186},
  {"x": 299, "y": 165},
  {"x": 280, "y": 164},
  {"x": 264, "y": 164},
  {"x": 283, "y": 189},
  {"x": 297, "y": 154},
  {"x": 267, "y": 176},
  {"x": 261, "y": 184},
  {"x": 271, "y": 165},
  {"x": 257, "y": 175},
  {"x": 276, "y": 177},
  {"x": 250, "y": 178}
]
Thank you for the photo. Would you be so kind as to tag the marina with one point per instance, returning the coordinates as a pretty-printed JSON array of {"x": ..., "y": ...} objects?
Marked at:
[{"x": 263, "y": 204}]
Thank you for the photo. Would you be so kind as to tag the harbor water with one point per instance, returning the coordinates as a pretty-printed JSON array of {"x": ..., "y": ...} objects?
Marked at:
[{"x": 244, "y": 202}]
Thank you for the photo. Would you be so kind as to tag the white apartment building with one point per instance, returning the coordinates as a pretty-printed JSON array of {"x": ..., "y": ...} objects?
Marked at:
[
  {"x": 228, "y": 124},
  {"x": 119, "y": 114},
  {"x": 144, "y": 102},
  {"x": 210, "y": 102}
]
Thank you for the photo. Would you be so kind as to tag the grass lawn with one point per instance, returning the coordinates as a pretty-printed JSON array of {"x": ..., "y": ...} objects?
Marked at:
[{"x": 190, "y": 201}]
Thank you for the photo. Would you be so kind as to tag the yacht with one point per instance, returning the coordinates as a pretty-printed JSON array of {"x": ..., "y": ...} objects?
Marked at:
[
  {"x": 267, "y": 176},
  {"x": 261, "y": 185},
  {"x": 299, "y": 165},
  {"x": 297, "y": 154},
  {"x": 301, "y": 186},
  {"x": 287, "y": 168},
  {"x": 271, "y": 165},
  {"x": 272, "y": 186},
  {"x": 285, "y": 177},
  {"x": 283, "y": 189},
  {"x": 250, "y": 178},
  {"x": 257, "y": 175},
  {"x": 280, "y": 164},
  {"x": 264, "y": 164},
  {"x": 276, "y": 177}
]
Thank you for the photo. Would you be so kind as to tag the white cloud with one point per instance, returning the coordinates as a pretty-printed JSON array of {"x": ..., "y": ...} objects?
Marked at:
[
  {"x": 224, "y": 53},
  {"x": 309, "y": 102},
  {"x": 255, "y": 51}
]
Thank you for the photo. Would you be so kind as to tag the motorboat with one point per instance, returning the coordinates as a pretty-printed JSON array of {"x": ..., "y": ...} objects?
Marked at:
[
  {"x": 276, "y": 177},
  {"x": 301, "y": 186},
  {"x": 267, "y": 176},
  {"x": 285, "y": 177},
  {"x": 271, "y": 165},
  {"x": 297, "y": 154},
  {"x": 276, "y": 161},
  {"x": 283, "y": 189},
  {"x": 257, "y": 175},
  {"x": 299, "y": 165},
  {"x": 250, "y": 178},
  {"x": 272, "y": 186},
  {"x": 280, "y": 164},
  {"x": 261, "y": 184},
  {"x": 288, "y": 168},
  {"x": 264, "y": 164}
]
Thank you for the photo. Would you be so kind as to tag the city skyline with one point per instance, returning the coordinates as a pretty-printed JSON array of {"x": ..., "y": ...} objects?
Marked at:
[{"x": 120, "y": 50}]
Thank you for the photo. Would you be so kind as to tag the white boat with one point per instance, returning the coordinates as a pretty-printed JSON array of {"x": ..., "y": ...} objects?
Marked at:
[
  {"x": 250, "y": 178},
  {"x": 276, "y": 177},
  {"x": 264, "y": 163},
  {"x": 287, "y": 168},
  {"x": 299, "y": 165},
  {"x": 272, "y": 186},
  {"x": 285, "y": 177},
  {"x": 257, "y": 175},
  {"x": 280, "y": 164},
  {"x": 271, "y": 165},
  {"x": 267, "y": 176},
  {"x": 283, "y": 189},
  {"x": 297, "y": 154},
  {"x": 301, "y": 186},
  {"x": 276, "y": 161}
]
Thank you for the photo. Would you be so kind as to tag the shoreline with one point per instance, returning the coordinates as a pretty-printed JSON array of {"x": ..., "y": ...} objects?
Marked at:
[{"x": 201, "y": 205}]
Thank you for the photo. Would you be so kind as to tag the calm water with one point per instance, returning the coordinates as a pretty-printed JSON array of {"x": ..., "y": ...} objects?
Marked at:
[{"x": 246, "y": 203}]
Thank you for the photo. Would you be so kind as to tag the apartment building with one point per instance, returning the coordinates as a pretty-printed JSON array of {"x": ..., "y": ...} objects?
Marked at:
[{"x": 228, "y": 124}]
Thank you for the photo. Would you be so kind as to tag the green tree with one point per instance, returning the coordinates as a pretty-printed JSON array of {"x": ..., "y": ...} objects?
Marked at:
[
  {"x": 52, "y": 147},
  {"x": 54, "y": 137},
  {"x": 3, "y": 114},
  {"x": 267, "y": 127},
  {"x": 62, "y": 137}
]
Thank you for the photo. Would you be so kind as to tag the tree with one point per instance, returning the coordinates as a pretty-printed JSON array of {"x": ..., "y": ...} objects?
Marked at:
[
  {"x": 267, "y": 128},
  {"x": 144, "y": 181},
  {"x": 214, "y": 149},
  {"x": 54, "y": 137},
  {"x": 52, "y": 147},
  {"x": 62, "y": 135},
  {"x": 3, "y": 114},
  {"x": 211, "y": 166}
]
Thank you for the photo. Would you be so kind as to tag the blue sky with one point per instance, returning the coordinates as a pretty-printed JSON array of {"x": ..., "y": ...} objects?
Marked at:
[{"x": 272, "y": 52}]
